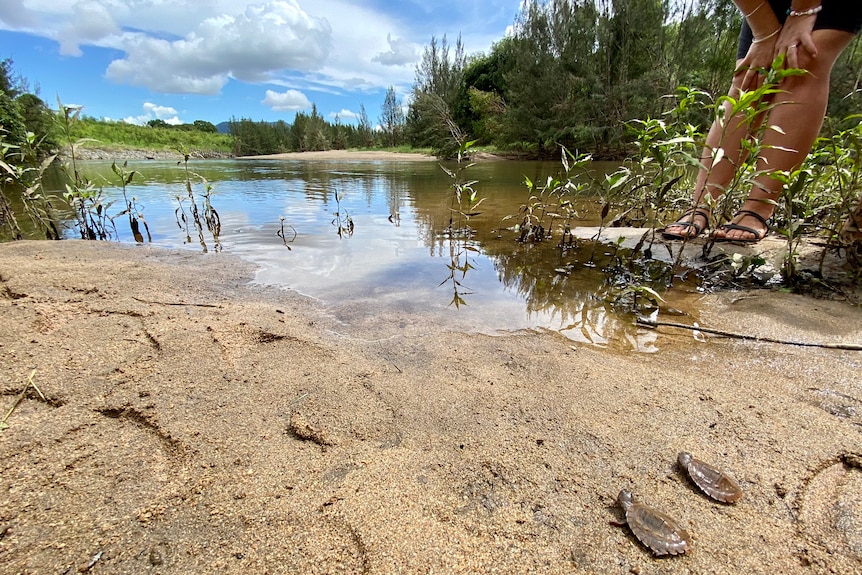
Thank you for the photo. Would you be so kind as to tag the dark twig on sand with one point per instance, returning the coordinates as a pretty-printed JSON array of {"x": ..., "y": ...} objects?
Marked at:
[
  {"x": 180, "y": 303},
  {"x": 654, "y": 324}
]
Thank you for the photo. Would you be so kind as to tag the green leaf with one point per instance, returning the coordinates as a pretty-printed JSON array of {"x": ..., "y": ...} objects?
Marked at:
[{"x": 678, "y": 140}]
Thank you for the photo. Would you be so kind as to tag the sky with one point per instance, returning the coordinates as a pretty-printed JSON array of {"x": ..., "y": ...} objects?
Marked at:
[{"x": 213, "y": 60}]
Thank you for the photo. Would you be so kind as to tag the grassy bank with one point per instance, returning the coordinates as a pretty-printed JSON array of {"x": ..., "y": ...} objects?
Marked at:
[{"x": 119, "y": 135}]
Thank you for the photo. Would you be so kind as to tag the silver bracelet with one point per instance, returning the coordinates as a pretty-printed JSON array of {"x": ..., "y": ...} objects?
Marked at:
[
  {"x": 809, "y": 12},
  {"x": 765, "y": 38}
]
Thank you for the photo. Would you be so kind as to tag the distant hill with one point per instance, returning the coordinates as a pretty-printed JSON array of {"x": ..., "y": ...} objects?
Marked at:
[{"x": 223, "y": 127}]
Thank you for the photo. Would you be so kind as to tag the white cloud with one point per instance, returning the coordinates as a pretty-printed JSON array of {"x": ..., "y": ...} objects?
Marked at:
[
  {"x": 191, "y": 47},
  {"x": 250, "y": 46},
  {"x": 14, "y": 14},
  {"x": 401, "y": 53},
  {"x": 155, "y": 112},
  {"x": 344, "y": 114},
  {"x": 159, "y": 112},
  {"x": 290, "y": 101},
  {"x": 90, "y": 22}
]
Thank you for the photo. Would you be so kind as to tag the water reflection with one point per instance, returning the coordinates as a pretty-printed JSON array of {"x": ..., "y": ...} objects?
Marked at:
[{"x": 374, "y": 240}]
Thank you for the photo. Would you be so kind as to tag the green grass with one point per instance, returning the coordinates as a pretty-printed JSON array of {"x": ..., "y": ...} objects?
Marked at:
[{"x": 120, "y": 135}]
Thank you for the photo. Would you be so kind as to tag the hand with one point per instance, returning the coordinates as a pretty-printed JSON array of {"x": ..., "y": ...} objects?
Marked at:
[
  {"x": 796, "y": 42},
  {"x": 748, "y": 75}
]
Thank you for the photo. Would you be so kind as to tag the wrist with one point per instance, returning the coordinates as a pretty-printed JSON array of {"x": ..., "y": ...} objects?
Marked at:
[
  {"x": 804, "y": 11},
  {"x": 765, "y": 37},
  {"x": 761, "y": 18}
]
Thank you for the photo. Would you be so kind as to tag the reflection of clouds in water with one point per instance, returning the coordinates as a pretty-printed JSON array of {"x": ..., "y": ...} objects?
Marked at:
[{"x": 393, "y": 264}]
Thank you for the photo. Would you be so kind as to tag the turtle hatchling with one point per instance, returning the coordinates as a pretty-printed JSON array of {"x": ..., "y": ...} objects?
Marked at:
[
  {"x": 712, "y": 481},
  {"x": 659, "y": 532}
]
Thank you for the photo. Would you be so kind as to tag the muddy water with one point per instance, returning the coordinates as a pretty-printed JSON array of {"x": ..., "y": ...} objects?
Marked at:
[{"x": 364, "y": 236}]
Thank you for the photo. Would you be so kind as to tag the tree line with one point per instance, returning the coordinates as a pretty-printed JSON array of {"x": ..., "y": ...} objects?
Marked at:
[
  {"x": 308, "y": 132},
  {"x": 312, "y": 132},
  {"x": 574, "y": 71}
]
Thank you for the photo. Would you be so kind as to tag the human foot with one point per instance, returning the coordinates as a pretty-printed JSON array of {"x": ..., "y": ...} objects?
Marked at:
[
  {"x": 682, "y": 229},
  {"x": 736, "y": 229}
]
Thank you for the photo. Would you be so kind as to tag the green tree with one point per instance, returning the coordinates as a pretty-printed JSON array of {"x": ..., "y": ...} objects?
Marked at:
[
  {"x": 39, "y": 119},
  {"x": 204, "y": 126},
  {"x": 12, "y": 121},
  {"x": 439, "y": 74},
  {"x": 702, "y": 41},
  {"x": 431, "y": 120},
  {"x": 481, "y": 100},
  {"x": 574, "y": 71},
  {"x": 538, "y": 88},
  {"x": 11, "y": 83},
  {"x": 365, "y": 132},
  {"x": 392, "y": 118}
]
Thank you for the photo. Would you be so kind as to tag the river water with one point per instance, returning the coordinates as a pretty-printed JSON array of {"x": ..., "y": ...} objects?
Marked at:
[{"x": 369, "y": 239}]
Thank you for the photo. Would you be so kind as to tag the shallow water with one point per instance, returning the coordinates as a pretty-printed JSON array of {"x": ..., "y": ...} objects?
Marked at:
[{"x": 367, "y": 237}]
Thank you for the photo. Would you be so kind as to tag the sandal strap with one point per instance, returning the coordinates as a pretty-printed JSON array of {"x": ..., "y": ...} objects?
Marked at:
[
  {"x": 696, "y": 227},
  {"x": 694, "y": 212},
  {"x": 758, "y": 234},
  {"x": 704, "y": 213},
  {"x": 754, "y": 215}
]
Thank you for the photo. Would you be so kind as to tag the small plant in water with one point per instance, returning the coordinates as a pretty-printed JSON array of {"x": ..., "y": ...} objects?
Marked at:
[
  {"x": 282, "y": 233},
  {"x": 86, "y": 199},
  {"x": 342, "y": 221},
  {"x": 210, "y": 218},
  {"x": 136, "y": 217},
  {"x": 458, "y": 233},
  {"x": 555, "y": 201}
]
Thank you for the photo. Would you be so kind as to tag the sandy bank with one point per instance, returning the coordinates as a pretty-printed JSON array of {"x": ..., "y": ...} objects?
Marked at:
[{"x": 193, "y": 423}]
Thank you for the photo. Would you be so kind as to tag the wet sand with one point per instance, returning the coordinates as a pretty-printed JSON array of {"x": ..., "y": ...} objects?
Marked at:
[{"x": 193, "y": 422}]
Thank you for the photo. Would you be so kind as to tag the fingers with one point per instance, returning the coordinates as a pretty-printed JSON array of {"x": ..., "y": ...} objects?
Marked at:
[
  {"x": 745, "y": 77},
  {"x": 807, "y": 43},
  {"x": 750, "y": 80},
  {"x": 792, "y": 56}
]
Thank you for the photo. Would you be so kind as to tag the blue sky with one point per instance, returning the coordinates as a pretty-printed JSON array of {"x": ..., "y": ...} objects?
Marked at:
[{"x": 187, "y": 60}]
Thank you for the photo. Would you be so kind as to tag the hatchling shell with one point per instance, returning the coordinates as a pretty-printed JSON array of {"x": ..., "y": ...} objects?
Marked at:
[
  {"x": 659, "y": 532},
  {"x": 712, "y": 481}
]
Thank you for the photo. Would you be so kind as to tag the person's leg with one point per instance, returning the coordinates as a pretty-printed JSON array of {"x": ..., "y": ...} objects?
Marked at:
[
  {"x": 798, "y": 116},
  {"x": 803, "y": 97},
  {"x": 726, "y": 134}
]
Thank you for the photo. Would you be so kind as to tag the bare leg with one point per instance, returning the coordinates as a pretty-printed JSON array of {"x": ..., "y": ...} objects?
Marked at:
[
  {"x": 798, "y": 113},
  {"x": 714, "y": 179}
]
